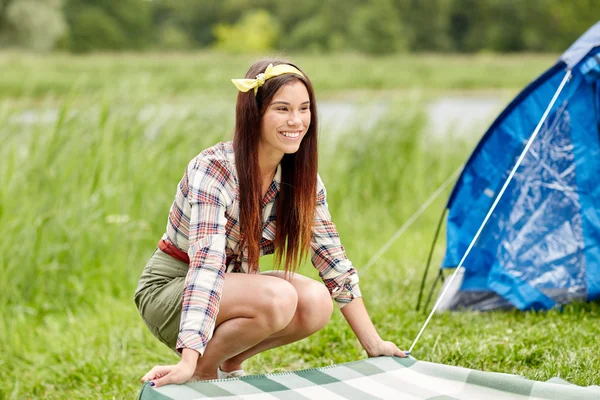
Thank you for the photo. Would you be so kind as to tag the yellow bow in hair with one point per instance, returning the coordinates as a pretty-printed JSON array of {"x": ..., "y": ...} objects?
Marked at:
[{"x": 245, "y": 85}]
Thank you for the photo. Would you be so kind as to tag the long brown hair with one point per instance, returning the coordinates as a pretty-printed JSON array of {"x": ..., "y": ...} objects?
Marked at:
[{"x": 296, "y": 201}]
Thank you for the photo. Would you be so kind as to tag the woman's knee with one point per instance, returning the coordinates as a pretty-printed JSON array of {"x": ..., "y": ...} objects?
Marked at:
[
  {"x": 277, "y": 304},
  {"x": 314, "y": 306}
]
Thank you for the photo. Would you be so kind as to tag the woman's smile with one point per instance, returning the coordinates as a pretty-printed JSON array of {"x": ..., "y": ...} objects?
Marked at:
[{"x": 291, "y": 134}]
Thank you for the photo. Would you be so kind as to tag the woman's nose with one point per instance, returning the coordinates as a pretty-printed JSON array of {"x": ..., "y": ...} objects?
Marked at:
[{"x": 294, "y": 119}]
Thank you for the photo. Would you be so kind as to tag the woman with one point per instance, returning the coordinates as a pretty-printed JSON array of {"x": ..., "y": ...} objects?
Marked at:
[{"x": 237, "y": 201}]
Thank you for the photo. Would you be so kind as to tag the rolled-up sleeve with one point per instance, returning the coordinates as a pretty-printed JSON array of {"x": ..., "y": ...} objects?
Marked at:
[
  {"x": 328, "y": 255},
  {"x": 207, "y": 238}
]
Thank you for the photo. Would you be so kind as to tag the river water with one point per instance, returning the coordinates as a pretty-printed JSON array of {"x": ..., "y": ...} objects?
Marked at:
[{"x": 447, "y": 115}]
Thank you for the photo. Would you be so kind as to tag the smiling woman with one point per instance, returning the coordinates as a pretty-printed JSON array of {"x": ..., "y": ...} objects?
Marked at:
[
  {"x": 202, "y": 292},
  {"x": 285, "y": 121}
]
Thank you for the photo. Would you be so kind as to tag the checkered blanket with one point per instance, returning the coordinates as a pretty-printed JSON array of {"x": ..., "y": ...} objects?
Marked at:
[{"x": 376, "y": 378}]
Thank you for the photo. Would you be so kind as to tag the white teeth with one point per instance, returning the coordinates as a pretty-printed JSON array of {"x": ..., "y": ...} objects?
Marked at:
[{"x": 291, "y": 134}]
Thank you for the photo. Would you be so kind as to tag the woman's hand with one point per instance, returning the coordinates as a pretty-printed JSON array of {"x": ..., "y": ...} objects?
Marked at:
[
  {"x": 178, "y": 373},
  {"x": 384, "y": 348},
  {"x": 164, "y": 375},
  {"x": 356, "y": 315}
]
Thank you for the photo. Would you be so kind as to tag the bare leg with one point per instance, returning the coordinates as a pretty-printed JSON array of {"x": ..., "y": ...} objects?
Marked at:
[
  {"x": 252, "y": 308},
  {"x": 312, "y": 314}
]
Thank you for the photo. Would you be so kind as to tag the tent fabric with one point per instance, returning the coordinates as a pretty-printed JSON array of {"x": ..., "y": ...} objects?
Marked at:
[
  {"x": 374, "y": 379},
  {"x": 582, "y": 46},
  {"x": 541, "y": 246}
]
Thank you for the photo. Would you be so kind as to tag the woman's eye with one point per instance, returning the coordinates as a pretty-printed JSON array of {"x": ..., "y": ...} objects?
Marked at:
[{"x": 281, "y": 109}]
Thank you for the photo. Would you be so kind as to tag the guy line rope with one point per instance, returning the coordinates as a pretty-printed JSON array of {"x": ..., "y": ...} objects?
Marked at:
[
  {"x": 444, "y": 185},
  {"x": 491, "y": 210},
  {"x": 413, "y": 218}
]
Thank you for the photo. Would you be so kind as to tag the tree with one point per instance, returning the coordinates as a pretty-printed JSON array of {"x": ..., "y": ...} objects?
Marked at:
[
  {"x": 195, "y": 22},
  {"x": 310, "y": 34},
  {"x": 425, "y": 24},
  {"x": 295, "y": 22},
  {"x": 33, "y": 24},
  {"x": 571, "y": 19},
  {"x": 3, "y": 10},
  {"x": 375, "y": 28},
  {"x": 96, "y": 30},
  {"x": 109, "y": 25}
]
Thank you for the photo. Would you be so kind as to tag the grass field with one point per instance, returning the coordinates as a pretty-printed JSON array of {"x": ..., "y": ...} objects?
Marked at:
[
  {"x": 175, "y": 75},
  {"x": 84, "y": 199}
]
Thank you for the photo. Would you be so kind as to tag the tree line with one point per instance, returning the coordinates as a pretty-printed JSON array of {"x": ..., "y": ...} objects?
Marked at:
[{"x": 369, "y": 26}]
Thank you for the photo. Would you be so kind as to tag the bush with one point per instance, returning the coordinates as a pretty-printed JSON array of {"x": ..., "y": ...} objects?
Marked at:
[
  {"x": 376, "y": 28},
  {"x": 256, "y": 31},
  {"x": 93, "y": 29},
  {"x": 310, "y": 34},
  {"x": 35, "y": 24},
  {"x": 172, "y": 37}
]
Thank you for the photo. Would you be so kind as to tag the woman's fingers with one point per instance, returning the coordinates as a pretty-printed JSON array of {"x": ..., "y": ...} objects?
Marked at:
[
  {"x": 149, "y": 375},
  {"x": 164, "y": 375},
  {"x": 165, "y": 380},
  {"x": 395, "y": 351},
  {"x": 176, "y": 375},
  {"x": 156, "y": 372},
  {"x": 399, "y": 353}
]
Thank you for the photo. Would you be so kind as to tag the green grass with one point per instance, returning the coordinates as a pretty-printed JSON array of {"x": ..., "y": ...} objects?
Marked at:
[
  {"x": 84, "y": 200},
  {"x": 174, "y": 75}
]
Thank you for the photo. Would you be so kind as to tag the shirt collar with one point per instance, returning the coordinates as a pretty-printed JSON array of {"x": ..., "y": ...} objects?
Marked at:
[{"x": 273, "y": 187}]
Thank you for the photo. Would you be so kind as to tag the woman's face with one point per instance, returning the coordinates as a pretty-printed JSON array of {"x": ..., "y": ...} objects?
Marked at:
[{"x": 286, "y": 120}]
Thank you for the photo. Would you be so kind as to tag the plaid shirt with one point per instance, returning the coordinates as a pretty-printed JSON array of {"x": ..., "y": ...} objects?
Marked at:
[{"x": 204, "y": 222}]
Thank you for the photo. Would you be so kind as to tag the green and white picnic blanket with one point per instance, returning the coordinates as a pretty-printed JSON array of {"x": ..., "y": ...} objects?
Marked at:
[{"x": 376, "y": 378}]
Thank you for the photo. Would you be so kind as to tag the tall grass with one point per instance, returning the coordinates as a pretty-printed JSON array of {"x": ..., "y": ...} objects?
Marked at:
[{"x": 85, "y": 199}]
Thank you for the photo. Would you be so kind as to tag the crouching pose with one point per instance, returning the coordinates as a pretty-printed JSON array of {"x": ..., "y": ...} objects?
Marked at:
[{"x": 202, "y": 293}]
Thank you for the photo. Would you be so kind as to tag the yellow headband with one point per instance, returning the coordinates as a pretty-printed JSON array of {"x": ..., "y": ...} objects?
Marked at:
[{"x": 245, "y": 85}]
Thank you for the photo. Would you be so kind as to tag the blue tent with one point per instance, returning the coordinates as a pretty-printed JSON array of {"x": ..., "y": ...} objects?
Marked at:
[{"x": 540, "y": 247}]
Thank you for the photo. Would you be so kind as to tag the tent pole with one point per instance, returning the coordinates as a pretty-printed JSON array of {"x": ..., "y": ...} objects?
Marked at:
[
  {"x": 498, "y": 197},
  {"x": 429, "y": 257},
  {"x": 439, "y": 277},
  {"x": 412, "y": 219}
]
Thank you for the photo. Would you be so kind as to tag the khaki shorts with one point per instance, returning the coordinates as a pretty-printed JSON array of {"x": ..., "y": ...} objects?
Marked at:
[{"x": 159, "y": 294}]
